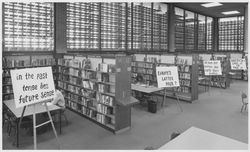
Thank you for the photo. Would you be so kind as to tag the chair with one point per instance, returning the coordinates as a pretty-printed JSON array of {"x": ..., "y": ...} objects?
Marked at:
[
  {"x": 11, "y": 122},
  {"x": 244, "y": 101},
  {"x": 54, "y": 114}
]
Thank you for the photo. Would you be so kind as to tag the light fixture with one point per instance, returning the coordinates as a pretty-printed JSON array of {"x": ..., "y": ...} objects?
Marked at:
[
  {"x": 230, "y": 12},
  {"x": 213, "y": 4}
]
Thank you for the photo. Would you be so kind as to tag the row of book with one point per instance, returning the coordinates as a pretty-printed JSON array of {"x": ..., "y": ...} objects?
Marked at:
[
  {"x": 142, "y": 70},
  {"x": 8, "y": 97},
  {"x": 6, "y": 73},
  {"x": 6, "y": 80},
  {"x": 107, "y": 100},
  {"x": 184, "y": 82},
  {"x": 7, "y": 89},
  {"x": 73, "y": 72},
  {"x": 103, "y": 67},
  {"x": 96, "y": 115},
  {"x": 10, "y": 63},
  {"x": 104, "y": 109},
  {"x": 144, "y": 65},
  {"x": 184, "y": 75},
  {"x": 184, "y": 68},
  {"x": 83, "y": 64},
  {"x": 86, "y": 74},
  {"x": 43, "y": 62}
]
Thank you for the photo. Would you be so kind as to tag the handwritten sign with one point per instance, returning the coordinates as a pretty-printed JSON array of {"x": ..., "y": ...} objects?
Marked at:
[
  {"x": 167, "y": 76},
  {"x": 212, "y": 67},
  {"x": 238, "y": 64},
  {"x": 32, "y": 85}
]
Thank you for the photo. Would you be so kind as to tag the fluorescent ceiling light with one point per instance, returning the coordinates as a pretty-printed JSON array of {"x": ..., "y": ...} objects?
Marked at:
[
  {"x": 213, "y": 4},
  {"x": 230, "y": 12}
]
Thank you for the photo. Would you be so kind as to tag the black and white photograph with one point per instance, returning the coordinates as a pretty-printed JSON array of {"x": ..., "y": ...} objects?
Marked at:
[{"x": 124, "y": 75}]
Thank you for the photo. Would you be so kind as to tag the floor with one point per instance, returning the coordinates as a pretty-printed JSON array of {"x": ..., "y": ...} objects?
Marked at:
[{"x": 217, "y": 111}]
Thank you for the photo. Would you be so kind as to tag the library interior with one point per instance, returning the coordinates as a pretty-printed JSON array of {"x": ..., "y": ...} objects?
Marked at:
[{"x": 124, "y": 75}]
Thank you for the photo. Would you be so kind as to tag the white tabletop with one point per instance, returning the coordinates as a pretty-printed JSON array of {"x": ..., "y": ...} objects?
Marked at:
[
  {"x": 145, "y": 89},
  {"x": 29, "y": 109},
  {"x": 198, "y": 139}
]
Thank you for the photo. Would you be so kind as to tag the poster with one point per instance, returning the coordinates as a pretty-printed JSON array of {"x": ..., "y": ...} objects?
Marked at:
[
  {"x": 32, "y": 85},
  {"x": 212, "y": 67},
  {"x": 238, "y": 64},
  {"x": 167, "y": 76}
]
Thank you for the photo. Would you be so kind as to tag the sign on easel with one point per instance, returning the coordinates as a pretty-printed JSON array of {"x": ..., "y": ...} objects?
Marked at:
[
  {"x": 238, "y": 64},
  {"x": 167, "y": 77},
  {"x": 212, "y": 67},
  {"x": 32, "y": 85}
]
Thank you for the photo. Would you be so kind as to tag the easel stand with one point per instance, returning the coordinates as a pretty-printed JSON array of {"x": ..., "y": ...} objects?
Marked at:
[
  {"x": 177, "y": 101},
  {"x": 36, "y": 126}
]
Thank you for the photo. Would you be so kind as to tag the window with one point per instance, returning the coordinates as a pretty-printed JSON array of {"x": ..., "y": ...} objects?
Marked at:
[
  {"x": 179, "y": 29},
  {"x": 82, "y": 26},
  {"x": 160, "y": 26},
  {"x": 28, "y": 27},
  {"x": 231, "y": 33},
  {"x": 193, "y": 31},
  {"x": 113, "y": 26},
  {"x": 201, "y": 32},
  {"x": 189, "y": 30},
  {"x": 209, "y": 33}
]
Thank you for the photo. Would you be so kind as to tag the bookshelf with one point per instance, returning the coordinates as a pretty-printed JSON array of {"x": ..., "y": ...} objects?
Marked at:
[
  {"x": 188, "y": 77},
  {"x": 19, "y": 62},
  {"x": 238, "y": 74},
  {"x": 245, "y": 73},
  {"x": 203, "y": 57},
  {"x": 98, "y": 89},
  {"x": 187, "y": 69},
  {"x": 222, "y": 81}
]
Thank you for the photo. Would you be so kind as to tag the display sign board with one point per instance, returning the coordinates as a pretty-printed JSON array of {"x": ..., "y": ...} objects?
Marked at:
[
  {"x": 212, "y": 67},
  {"x": 167, "y": 76},
  {"x": 238, "y": 64},
  {"x": 32, "y": 85}
]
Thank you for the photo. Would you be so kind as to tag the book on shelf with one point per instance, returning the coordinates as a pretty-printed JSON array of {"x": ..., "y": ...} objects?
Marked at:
[
  {"x": 107, "y": 100},
  {"x": 88, "y": 93},
  {"x": 103, "y": 88},
  {"x": 103, "y": 67}
]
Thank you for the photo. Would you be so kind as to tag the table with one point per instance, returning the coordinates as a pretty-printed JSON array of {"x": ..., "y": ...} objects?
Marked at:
[
  {"x": 17, "y": 113},
  {"x": 199, "y": 139},
  {"x": 145, "y": 89}
]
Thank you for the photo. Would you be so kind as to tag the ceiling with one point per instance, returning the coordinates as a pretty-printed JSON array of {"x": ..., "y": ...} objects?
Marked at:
[{"x": 214, "y": 11}]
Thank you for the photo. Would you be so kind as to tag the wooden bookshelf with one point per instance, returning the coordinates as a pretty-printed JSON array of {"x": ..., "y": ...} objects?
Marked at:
[
  {"x": 245, "y": 73},
  {"x": 97, "y": 90},
  {"x": 222, "y": 81},
  {"x": 20, "y": 62},
  {"x": 188, "y": 78}
]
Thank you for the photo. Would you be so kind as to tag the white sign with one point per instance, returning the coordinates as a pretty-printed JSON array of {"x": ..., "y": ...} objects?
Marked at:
[
  {"x": 167, "y": 76},
  {"x": 212, "y": 67},
  {"x": 32, "y": 85},
  {"x": 238, "y": 64}
]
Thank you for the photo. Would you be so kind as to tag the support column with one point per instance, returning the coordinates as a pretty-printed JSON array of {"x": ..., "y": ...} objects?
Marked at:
[
  {"x": 215, "y": 35},
  {"x": 60, "y": 40},
  {"x": 171, "y": 28}
]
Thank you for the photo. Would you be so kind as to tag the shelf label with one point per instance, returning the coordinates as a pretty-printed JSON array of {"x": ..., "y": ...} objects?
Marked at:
[
  {"x": 238, "y": 64},
  {"x": 167, "y": 76},
  {"x": 212, "y": 67},
  {"x": 32, "y": 85}
]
